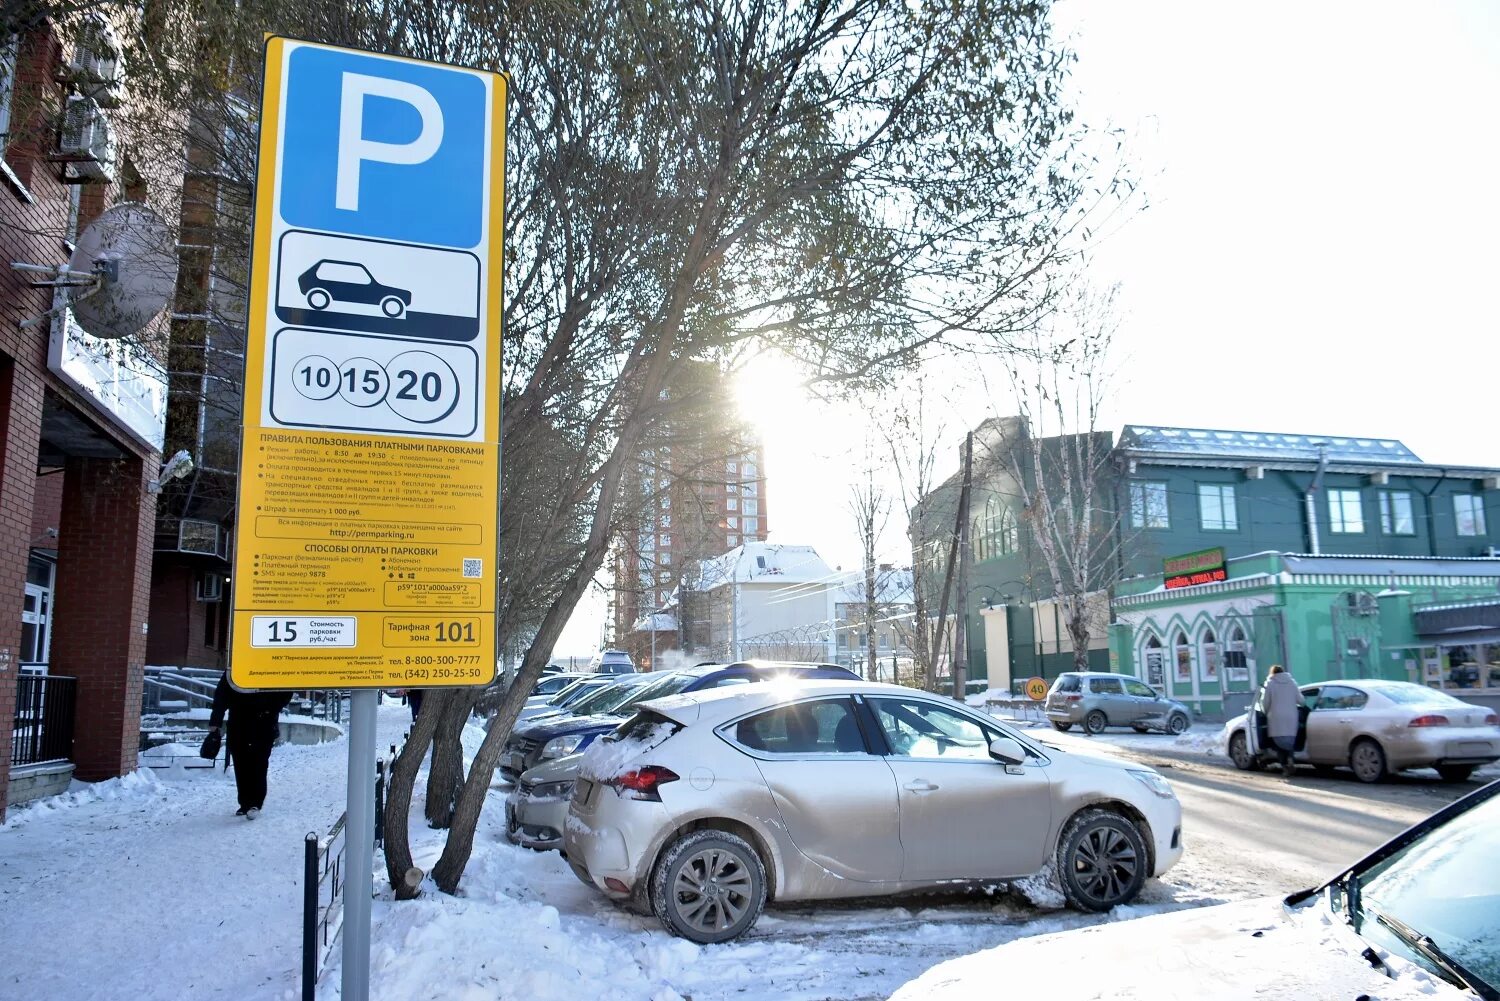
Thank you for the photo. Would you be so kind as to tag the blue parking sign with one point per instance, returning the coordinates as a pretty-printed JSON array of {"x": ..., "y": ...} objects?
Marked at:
[{"x": 384, "y": 148}]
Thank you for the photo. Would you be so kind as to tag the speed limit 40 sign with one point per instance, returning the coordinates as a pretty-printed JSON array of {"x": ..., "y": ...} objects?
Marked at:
[{"x": 369, "y": 476}]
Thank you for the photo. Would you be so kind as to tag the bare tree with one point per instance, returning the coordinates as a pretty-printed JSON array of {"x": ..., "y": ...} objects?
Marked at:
[
  {"x": 911, "y": 441},
  {"x": 1061, "y": 464},
  {"x": 871, "y": 509}
]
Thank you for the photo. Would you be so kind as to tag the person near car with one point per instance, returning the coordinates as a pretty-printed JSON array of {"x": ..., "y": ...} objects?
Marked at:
[
  {"x": 252, "y": 729},
  {"x": 1280, "y": 701}
]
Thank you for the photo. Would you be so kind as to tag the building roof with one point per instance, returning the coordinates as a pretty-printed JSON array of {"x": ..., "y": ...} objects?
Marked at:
[
  {"x": 765, "y": 563},
  {"x": 1206, "y": 442}
]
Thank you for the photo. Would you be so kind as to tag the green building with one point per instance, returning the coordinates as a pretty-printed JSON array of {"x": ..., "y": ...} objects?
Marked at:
[{"x": 1337, "y": 557}]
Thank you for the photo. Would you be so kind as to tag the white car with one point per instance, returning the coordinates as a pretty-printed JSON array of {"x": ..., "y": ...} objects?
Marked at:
[
  {"x": 705, "y": 805},
  {"x": 1416, "y": 920}
]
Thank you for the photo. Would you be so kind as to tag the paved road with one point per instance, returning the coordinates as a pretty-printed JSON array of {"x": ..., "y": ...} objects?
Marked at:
[{"x": 1256, "y": 829}]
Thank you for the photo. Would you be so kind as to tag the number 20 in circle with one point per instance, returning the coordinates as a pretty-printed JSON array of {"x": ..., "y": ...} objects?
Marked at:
[{"x": 424, "y": 388}]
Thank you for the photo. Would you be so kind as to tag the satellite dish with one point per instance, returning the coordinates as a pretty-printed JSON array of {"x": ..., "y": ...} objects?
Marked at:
[{"x": 133, "y": 257}]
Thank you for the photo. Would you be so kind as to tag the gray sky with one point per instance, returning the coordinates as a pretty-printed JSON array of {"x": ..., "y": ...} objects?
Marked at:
[{"x": 1317, "y": 256}]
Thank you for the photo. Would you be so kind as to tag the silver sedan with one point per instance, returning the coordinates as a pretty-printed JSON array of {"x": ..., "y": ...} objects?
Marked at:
[
  {"x": 705, "y": 805},
  {"x": 1378, "y": 727}
]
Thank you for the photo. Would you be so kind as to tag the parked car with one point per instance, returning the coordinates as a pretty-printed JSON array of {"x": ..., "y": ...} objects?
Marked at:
[
  {"x": 613, "y": 662},
  {"x": 579, "y": 687},
  {"x": 1098, "y": 700},
  {"x": 1415, "y": 920},
  {"x": 705, "y": 805},
  {"x": 1378, "y": 727},
  {"x": 562, "y": 731},
  {"x": 538, "y": 805}
]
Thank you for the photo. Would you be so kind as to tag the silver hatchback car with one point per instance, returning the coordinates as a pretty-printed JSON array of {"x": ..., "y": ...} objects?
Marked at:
[
  {"x": 1095, "y": 700},
  {"x": 705, "y": 805}
]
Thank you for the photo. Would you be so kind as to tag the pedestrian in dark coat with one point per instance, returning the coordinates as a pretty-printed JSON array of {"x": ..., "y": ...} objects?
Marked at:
[
  {"x": 252, "y": 730},
  {"x": 1279, "y": 701}
]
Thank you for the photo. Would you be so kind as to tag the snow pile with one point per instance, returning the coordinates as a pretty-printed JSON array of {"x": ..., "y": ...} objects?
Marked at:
[{"x": 136, "y": 788}]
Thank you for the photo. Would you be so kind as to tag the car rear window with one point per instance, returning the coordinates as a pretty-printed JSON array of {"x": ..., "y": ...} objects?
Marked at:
[
  {"x": 1066, "y": 683},
  {"x": 1416, "y": 695}
]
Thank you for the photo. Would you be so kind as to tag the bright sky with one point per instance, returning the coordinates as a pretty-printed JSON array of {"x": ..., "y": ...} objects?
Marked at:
[{"x": 1317, "y": 256}]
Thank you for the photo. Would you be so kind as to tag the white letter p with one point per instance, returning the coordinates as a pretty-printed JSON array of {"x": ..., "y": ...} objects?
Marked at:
[{"x": 354, "y": 148}]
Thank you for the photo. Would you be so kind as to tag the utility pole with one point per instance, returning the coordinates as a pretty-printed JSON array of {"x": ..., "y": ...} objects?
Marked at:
[{"x": 961, "y": 625}]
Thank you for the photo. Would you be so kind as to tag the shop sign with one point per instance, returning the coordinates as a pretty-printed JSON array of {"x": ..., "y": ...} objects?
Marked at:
[{"x": 1206, "y": 566}]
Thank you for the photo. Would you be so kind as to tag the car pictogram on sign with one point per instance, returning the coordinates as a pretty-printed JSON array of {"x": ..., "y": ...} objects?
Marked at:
[{"x": 349, "y": 281}]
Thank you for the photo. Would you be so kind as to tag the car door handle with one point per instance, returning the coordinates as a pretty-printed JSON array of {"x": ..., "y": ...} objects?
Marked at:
[{"x": 920, "y": 785}]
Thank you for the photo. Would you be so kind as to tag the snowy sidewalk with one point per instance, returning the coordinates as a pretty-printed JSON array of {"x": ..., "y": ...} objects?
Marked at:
[{"x": 153, "y": 890}]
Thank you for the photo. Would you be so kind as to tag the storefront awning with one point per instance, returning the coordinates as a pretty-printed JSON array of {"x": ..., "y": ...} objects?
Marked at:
[{"x": 1462, "y": 637}]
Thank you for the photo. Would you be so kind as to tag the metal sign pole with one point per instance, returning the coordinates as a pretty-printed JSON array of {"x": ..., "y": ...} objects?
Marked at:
[{"x": 360, "y": 848}]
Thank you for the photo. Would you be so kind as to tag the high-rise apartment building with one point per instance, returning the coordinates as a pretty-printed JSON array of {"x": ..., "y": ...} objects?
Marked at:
[{"x": 698, "y": 490}]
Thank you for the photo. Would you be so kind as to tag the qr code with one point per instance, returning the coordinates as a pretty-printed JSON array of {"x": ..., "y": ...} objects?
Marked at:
[{"x": 473, "y": 568}]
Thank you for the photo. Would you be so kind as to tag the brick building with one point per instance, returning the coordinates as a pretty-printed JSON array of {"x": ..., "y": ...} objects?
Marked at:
[
  {"x": 80, "y": 428},
  {"x": 698, "y": 491}
]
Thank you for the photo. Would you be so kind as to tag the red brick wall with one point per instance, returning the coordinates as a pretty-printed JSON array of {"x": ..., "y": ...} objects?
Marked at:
[
  {"x": 103, "y": 592},
  {"x": 178, "y": 618},
  {"x": 102, "y": 575},
  {"x": 46, "y": 510}
]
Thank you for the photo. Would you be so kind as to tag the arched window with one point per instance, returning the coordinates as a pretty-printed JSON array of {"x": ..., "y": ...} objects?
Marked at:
[
  {"x": 1183, "y": 653},
  {"x": 1208, "y": 662},
  {"x": 1237, "y": 656},
  {"x": 1155, "y": 663},
  {"x": 987, "y": 531}
]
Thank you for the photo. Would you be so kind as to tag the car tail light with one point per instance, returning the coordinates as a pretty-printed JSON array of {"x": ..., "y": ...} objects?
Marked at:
[
  {"x": 1492, "y": 720},
  {"x": 1431, "y": 719},
  {"x": 643, "y": 783},
  {"x": 1073, "y": 698}
]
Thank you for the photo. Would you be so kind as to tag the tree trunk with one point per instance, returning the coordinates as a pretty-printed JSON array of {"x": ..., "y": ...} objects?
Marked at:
[
  {"x": 398, "y": 794},
  {"x": 446, "y": 774}
]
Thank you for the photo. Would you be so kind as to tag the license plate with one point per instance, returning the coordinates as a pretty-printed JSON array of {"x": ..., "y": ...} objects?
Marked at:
[
  {"x": 1475, "y": 748},
  {"x": 582, "y": 789},
  {"x": 518, "y": 762},
  {"x": 510, "y": 816}
]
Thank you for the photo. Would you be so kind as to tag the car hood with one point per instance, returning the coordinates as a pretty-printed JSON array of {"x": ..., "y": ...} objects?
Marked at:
[
  {"x": 554, "y": 770},
  {"x": 1255, "y": 949},
  {"x": 546, "y": 729}
]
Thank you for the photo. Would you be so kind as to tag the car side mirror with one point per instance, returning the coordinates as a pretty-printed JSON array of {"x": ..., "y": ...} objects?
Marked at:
[{"x": 1007, "y": 751}]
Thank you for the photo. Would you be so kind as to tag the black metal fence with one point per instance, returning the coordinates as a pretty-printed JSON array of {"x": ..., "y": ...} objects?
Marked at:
[{"x": 44, "y": 719}]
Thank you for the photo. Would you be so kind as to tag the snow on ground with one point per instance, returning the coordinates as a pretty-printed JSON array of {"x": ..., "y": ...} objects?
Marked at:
[{"x": 174, "y": 898}]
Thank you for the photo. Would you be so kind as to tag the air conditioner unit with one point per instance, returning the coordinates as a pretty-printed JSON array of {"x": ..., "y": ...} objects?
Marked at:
[
  {"x": 87, "y": 144},
  {"x": 210, "y": 587},
  {"x": 96, "y": 67}
]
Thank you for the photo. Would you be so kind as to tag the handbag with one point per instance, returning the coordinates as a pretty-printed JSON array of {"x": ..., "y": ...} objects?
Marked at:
[{"x": 210, "y": 747}]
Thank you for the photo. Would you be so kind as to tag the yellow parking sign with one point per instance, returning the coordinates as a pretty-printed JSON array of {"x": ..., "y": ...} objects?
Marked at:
[{"x": 367, "y": 527}]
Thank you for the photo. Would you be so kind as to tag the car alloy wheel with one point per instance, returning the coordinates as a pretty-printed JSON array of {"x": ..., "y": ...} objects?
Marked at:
[
  {"x": 1367, "y": 760},
  {"x": 1239, "y": 753},
  {"x": 709, "y": 887},
  {"x": 1101, "y": 860},
  {"x": 1096, "y": 721},
  {"x": 319, "y": 298},
  {"x": 1177, "y": 724}
]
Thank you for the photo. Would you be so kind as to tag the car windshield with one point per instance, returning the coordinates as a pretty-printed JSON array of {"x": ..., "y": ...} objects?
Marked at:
[
  {"x": 1437, "y": 901},
  {"x": 576, "y": 690},
  {"x": 606, "y": 697},
  {"x": 669, "y": 685}
]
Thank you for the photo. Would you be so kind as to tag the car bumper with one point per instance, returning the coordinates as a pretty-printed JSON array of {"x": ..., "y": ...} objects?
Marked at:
[
  {"x": 609, "y": 840},
  {"x": 536, "y": 821},
  {"x": 1065, "y": 715},
  {"x": 1165, "y": 819},
  {"x": 1421, "y": 747}
]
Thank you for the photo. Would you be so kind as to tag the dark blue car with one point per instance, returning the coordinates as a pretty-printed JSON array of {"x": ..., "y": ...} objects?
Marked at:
[{"x": 556, "y": 737}]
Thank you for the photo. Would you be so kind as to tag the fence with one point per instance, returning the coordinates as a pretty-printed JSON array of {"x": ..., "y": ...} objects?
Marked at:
[
  {"x": 44, "y": 719},
  {"x": 323, "y": 885},
  {"x": 177, "y": 689}
]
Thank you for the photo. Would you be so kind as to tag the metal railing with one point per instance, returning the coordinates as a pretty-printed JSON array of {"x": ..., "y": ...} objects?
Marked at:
[
  {"x": 176, "y": 689},
  {"x": 323, "y": 884},
  {"x": 44, "y": 719}
]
